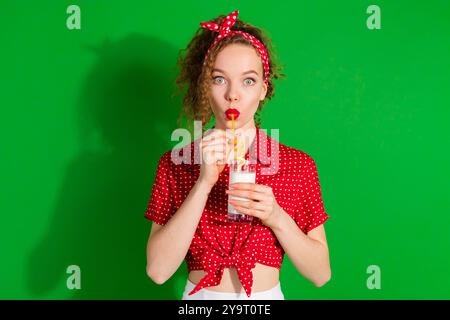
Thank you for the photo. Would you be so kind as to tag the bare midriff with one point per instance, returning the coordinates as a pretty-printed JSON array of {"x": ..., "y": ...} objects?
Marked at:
[{"x": 264, "y": 278}]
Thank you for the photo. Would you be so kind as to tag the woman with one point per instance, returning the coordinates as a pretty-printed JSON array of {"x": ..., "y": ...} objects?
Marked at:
[{"x": 228, "y": 67}]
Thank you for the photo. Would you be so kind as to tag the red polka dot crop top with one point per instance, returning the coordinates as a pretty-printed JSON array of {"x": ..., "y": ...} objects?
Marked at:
[{"x": 219, "y": 244}]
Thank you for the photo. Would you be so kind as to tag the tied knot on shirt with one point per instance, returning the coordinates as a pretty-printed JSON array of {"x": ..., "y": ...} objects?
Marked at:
[
  {"x": 213, "y": 261},
  {"x": 232, "y": 260}
]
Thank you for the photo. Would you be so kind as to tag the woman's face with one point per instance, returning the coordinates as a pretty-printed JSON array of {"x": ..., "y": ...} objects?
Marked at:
[{"x": 237, "y": 82}]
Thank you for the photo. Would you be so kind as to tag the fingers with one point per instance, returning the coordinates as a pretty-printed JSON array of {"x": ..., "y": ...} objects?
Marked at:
[
  {"x": 220, "y": 149},
  {"x": 218, "y": 135},
  {"x": 252, "y": 187},
  {"x": 252, "y": 195},
  {"x": 216, "y": 147},
  {"x": 213, "y": 156},
  {"x": 221, "y": 141},
  {"x": 216, "y": 154},
  {"x": 248, "y": 204}
]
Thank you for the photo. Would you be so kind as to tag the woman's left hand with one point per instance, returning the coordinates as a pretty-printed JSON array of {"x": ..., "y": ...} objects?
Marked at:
[{"x": 262, "y": 204}]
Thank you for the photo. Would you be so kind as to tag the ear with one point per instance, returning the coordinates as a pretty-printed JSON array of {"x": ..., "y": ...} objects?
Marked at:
[{"x": 263, "y": 92}]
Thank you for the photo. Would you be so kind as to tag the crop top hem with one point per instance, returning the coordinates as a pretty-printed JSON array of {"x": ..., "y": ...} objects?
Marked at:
[{"x": 198, "y": 266}]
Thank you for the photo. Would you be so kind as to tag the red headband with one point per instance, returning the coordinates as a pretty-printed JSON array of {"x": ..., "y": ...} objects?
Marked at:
[{"x": 224, "y": 31}]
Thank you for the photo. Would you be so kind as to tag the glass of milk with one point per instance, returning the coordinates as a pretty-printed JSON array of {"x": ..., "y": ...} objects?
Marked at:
[{"x": 244, "y": 173}]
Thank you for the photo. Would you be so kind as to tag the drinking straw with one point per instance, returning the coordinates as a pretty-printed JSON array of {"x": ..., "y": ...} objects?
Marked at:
[
  {"x": 239, "y": 160},
  {"x": 234, "y": 137}
]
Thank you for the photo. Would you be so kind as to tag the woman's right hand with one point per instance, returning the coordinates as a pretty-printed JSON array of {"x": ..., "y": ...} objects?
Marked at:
[{"x": 216, "y": 151}]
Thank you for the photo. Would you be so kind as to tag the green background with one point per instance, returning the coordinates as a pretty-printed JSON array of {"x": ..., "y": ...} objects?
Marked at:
[{"x": 87, "y": 113}]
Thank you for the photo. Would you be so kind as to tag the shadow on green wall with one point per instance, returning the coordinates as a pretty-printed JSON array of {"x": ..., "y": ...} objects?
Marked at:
[{"x": 126, "y": 112}]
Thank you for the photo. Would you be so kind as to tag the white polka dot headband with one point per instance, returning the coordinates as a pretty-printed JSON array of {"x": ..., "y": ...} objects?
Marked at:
[{"x": 224, "y": 30}]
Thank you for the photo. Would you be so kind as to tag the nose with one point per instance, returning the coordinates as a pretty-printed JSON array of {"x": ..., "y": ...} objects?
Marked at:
[{"x": 232, "y": 95}]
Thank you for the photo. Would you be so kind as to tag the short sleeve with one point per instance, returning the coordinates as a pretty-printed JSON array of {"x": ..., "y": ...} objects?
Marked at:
[
  {"x": 310, "y": 211},
  {"x": 161, "y": 206}
]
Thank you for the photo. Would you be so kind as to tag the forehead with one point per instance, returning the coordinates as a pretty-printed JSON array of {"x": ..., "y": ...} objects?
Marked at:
[{"x": 234, "y": 58}]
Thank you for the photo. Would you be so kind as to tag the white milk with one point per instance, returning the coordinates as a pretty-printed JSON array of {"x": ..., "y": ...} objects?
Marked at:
[{"x": 247, "y": 177}]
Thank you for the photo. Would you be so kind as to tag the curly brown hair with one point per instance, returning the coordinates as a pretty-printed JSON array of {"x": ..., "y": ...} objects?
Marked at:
[{"x": 194, "y": 76}]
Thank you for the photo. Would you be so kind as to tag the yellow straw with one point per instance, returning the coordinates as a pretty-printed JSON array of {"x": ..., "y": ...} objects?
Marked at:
[
  {"x": 234, "y": 137},
  {"x": 237, "y": 157}
]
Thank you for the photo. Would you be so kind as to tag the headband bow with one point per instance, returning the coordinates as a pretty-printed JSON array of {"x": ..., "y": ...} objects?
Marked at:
[{"x": 224, "y": 30}]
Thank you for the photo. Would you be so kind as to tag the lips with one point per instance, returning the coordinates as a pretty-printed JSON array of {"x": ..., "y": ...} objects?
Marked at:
[{"x": 231, "y": 112}]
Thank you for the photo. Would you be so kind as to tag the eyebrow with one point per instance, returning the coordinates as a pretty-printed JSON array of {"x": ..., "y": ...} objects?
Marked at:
[{"x": 246, "y": 72}]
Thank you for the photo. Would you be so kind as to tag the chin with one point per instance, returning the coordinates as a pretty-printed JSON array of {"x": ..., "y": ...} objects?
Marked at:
[{"x": 229, "y": 124}]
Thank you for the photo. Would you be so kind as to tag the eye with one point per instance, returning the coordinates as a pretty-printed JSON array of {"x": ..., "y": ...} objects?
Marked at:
[
  {"x": 218, "y": 78},
  {"x": 250, "y": 82}
]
